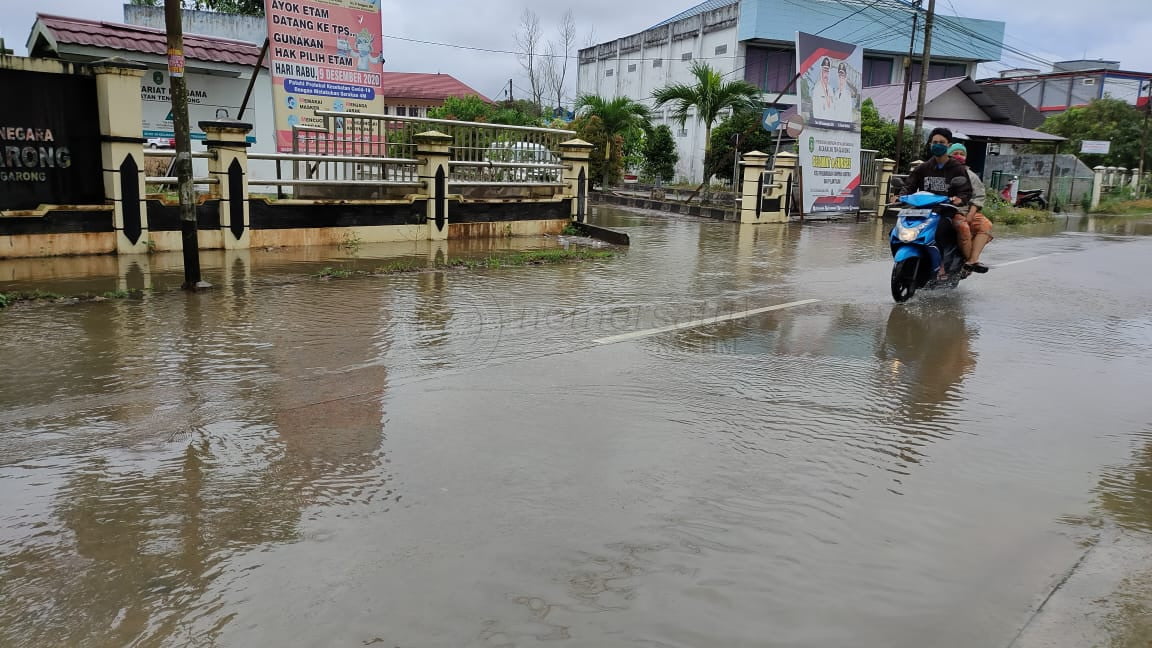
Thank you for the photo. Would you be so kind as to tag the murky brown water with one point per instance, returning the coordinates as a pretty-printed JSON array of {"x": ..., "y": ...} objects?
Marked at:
[{"x": 447, "y": 459}]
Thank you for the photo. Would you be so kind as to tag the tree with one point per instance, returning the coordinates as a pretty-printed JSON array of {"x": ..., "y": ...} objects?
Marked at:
[
  {"x": 556, "y": 67},
  {"x": 721, "y": 158},
  {"x": 528, "y": 40},
  {"x": 618, "y": 116},
  {"x": 605, "y": 161},
  {"x": 879, "y": 134},
  {"x": 1108, "y": 119},
  {"x": 245, "y": 7},
  {"x": 660, "y": 154},
  {"x": 471, "y": 108},
  {"x": 710, "y": 95}
]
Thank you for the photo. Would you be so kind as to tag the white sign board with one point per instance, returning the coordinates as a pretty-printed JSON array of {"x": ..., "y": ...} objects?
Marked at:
[
  {"x": 1096, "y": 146},
  {"x": 209, "y": 98}
]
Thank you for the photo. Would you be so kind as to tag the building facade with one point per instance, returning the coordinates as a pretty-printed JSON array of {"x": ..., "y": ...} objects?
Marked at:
[
  {"x": 1071, "y": 84},
  {"x": 754, "y": 40}
]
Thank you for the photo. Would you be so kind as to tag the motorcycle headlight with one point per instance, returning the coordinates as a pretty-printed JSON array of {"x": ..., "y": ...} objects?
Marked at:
[{"x": 908, "y": 234}]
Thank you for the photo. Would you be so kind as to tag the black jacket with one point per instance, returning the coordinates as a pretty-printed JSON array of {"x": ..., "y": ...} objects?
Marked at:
[{"x": 938, "y": 179}]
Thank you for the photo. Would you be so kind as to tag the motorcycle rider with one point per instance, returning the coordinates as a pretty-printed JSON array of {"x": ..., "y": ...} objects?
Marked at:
[
  {"x": 938, "y": 173},
  {"x": 973, "y": 230}
]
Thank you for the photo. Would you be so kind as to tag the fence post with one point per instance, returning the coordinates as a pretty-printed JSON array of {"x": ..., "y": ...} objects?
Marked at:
[
  {"x": 783, "y": 179},
  {"x": 752, "y": 186},
  {"x": 433, "y": 151},
  {"x": 884, "y": 190},
  {"x": 1097, "y": 186},
  {"x": 575, "y": 154},
  {"x": 122, "y": 150},
  {"x": 227, "y": 143}
]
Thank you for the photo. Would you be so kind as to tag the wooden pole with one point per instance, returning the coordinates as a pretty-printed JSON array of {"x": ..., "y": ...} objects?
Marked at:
[
  {"x": 907, "y": 88},
  {"x": 252, "y": 81}
]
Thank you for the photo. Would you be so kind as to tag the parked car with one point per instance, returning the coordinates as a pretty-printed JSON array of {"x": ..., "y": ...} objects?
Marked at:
[
  {"x": 161, "y": 142},
  {"x": 524, "y": 153}
]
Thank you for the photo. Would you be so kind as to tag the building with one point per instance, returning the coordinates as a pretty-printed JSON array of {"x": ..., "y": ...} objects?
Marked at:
[
  {"x": 412, "y": 94},
  {"x": 1071, "y": 84},
  {"x": 986, "y": 122},
  {"x": 755, "y": 40}
]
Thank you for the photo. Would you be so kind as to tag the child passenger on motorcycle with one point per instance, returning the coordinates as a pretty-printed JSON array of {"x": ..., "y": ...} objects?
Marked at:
[{"x": 973, "y": 230}]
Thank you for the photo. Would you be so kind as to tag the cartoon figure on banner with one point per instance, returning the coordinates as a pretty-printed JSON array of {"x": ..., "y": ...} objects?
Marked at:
[{"x": 363, "y": 53}]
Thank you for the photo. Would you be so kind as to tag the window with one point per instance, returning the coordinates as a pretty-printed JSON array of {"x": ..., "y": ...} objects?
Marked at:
[
  {"x": 632, "y": 67},
  {"x": 877, "y": 71},
  {"x": 721, "y": 49},
  {"x": 413, "y": 111},
  {"x": 1089, "y": 81},
  {"x": 771, "y": 70},
  {"x": 938, "y": 71},
  {"x": 401, "y": 111},
  {"x": 658, "y": 63},
  {"x": 385, "y": 109},
  {"x": 686, "y": 56},
  {"x": 608, "y": 72}
]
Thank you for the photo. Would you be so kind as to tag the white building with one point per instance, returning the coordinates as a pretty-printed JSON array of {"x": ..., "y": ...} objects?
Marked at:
[{"x": 754, "y": 40}]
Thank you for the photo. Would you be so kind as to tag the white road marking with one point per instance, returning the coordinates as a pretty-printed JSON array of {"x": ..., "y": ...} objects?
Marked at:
[
  {"x": 1008, "y": 263},
  {"x": 701, "y": 322}
]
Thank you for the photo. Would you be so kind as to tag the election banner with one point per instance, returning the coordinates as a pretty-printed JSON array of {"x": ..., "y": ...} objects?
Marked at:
[
  {"x": 325, "y": 55},
  {"x": 830, "y": 109}
]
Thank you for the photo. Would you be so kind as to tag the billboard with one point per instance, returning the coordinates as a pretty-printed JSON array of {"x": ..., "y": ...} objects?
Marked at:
[
  {"x": 830, "y": 110},
  {"x": 325, "y": 55},
  {"x": 209, "y": 98}
]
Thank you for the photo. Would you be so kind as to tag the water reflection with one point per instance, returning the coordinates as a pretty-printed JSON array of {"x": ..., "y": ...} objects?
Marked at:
[{"x": 197, "y": 429}]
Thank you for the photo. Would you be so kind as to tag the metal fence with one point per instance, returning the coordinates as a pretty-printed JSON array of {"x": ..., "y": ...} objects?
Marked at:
[
  {"x": 479, "y": 153},
  {"x": 869, "y": 182}
]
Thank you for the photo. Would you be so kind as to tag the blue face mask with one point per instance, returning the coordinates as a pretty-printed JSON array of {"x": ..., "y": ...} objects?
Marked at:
[{"x": 939, "y": 149}]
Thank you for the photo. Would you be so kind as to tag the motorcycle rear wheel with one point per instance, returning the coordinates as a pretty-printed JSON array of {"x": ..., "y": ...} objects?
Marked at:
[{"x": 904, "y": 279}]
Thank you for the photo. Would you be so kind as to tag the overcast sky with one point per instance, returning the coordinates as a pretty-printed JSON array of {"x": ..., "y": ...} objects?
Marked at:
[{"x": 1051, "y": 29}]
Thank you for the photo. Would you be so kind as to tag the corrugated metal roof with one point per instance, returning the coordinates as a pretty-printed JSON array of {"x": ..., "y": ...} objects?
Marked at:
[
  {"x": 413, "y": 85},
  {"x": 133, "y": 38},
  {"x": 887, "y": 97},
  {"x": 981, "y": 130},
  {"x": 703, "y": 7}
]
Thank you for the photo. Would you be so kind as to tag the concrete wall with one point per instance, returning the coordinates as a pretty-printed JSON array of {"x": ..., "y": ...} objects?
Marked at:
[{"x": 252, "y": 29}]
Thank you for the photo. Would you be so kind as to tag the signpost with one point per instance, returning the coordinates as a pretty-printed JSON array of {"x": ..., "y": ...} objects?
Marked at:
[
  {"x": 1096, "y": 147},
  {"x": 325, "y": 55}
]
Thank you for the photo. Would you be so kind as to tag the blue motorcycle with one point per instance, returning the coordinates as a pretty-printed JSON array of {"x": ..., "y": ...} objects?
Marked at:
[{"x": 924, "y": 246}]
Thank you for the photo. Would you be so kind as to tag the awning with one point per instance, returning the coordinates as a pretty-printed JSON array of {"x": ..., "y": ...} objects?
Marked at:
[{"x": 970, "y": 129}]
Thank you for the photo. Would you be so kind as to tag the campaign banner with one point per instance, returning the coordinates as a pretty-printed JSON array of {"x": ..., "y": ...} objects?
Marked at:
[
  {"x": 210, "y": 98},
  {"x": 829, "y": 142},
  {"x": 325, "y": 55}
]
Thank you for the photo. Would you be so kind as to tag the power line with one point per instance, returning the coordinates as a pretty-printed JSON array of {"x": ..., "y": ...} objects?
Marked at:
[{"x": 540, "y": 54}]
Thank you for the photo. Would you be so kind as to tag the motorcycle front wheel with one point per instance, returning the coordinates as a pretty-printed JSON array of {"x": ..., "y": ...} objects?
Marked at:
[{"x": 904, "y": 279}]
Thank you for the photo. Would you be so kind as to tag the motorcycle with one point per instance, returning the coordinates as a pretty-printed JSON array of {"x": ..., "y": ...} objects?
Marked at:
[
  {"x": 924, "y": 246},
  {"x": 1033, "y": 199}
]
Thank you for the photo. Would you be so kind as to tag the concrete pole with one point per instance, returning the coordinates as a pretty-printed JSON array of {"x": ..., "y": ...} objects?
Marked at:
[
  {"x": 907, "y": 80},
  {"x": 1097, "y": 186},
  {"x": 925, "y": 61},
  {"x": 189, "y": 239}
]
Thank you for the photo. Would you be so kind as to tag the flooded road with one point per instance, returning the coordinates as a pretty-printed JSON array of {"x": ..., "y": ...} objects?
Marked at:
[{"x": 555, "y": 455}]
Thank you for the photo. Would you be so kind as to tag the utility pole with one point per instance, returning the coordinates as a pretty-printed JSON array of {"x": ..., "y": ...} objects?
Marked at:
[
  {"x": 1144, "y": 135},
  {"x": 188, "y": 239},
  {"x": 510, "y": 91},
  {"x": 925, "y": 61},
  {"x": 907, "y": 87}
]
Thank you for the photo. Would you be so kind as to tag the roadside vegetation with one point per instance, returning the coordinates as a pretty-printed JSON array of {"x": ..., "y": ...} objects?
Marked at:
[
  {"x": 510, "y": 260},
  {"x": 15, "y": 297},
  {"x": 997, "y": 210},
  {"x": 1124, "y": 201}
]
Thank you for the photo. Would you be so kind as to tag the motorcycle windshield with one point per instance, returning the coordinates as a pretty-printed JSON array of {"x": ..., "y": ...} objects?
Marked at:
[{"x": 923, "y": 199}]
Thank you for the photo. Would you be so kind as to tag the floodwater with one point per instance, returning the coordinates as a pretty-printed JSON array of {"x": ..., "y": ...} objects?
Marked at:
[{"x": 452, "y": 459}]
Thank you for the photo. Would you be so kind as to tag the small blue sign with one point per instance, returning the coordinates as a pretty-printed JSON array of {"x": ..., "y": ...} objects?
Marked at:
[{"x": 770, "y": 120}]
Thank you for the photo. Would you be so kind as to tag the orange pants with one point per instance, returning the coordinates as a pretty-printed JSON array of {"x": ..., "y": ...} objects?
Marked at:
[{"x": 967, "y": 225}]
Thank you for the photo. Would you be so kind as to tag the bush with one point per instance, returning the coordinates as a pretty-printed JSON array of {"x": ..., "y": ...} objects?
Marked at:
[{"x": 997, "y": 210}]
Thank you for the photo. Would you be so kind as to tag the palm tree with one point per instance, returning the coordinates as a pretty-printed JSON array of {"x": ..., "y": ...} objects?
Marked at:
[
  {"x": 709, "y": 95},
  {"x": 618, "y": 115}
]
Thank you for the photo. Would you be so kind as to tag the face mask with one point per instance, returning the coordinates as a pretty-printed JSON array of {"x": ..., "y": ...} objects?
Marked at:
[
  {"x": 939, "y": 149},
  {"x": 959, "y": 158}
]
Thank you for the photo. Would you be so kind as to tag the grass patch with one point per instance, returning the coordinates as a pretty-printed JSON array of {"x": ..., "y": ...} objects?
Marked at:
[
  {"x": 1113, "y": 206},
  {"x": 510, "y": 260},
  {"x": 9, "y": 298},
  {"x": 997, "y": 210},
  {"x": 571, "y": 230}
]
